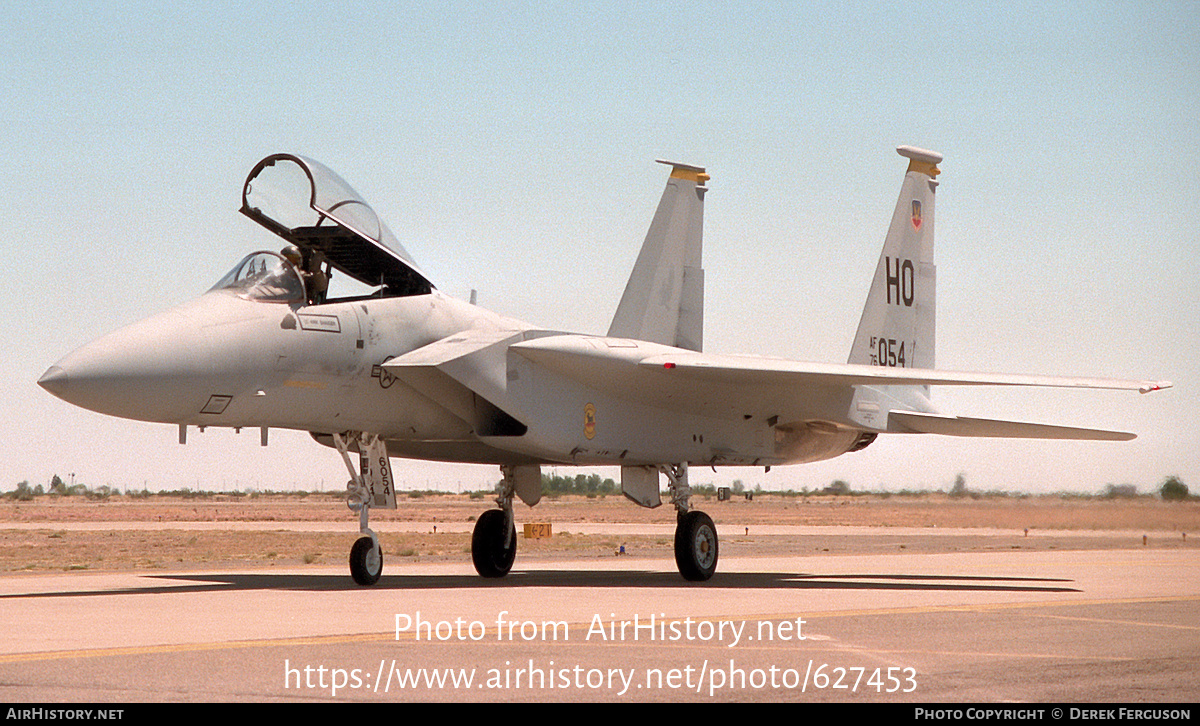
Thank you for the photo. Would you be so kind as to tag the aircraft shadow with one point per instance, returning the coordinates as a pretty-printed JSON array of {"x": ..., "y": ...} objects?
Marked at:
[{"x": 218, "y": 582}]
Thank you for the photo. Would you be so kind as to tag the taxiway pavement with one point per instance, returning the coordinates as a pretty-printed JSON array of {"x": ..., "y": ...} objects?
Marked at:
[{"x": 1042, "y": 626}]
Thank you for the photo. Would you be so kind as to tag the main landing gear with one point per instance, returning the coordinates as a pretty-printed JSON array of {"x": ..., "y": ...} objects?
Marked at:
[
  {"x": 493, "y": 544},
  {"x": 494, "y": 539},
  {"x": 695, "y": 534},
  {"x": 695, "y": 546}
]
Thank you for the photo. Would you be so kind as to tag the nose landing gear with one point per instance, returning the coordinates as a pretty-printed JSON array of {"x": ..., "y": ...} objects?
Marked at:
[
  {"x": 366, "y": 561},
  {"x": 371, "y": 485}
]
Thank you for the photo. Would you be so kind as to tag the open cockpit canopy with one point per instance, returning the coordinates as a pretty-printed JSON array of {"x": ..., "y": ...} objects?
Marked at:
[{"x": 311, "y": 207}]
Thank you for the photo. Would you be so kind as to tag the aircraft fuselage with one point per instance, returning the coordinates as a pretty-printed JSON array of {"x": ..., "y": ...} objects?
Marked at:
[{"x": 222, "y": 360}]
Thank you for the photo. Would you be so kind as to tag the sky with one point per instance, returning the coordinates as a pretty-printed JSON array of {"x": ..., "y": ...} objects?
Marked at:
[{"x": 510, "y": 148}]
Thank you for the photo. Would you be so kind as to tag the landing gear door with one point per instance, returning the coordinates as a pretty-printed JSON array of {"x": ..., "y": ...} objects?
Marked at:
[{"x": 376, "y": 472}]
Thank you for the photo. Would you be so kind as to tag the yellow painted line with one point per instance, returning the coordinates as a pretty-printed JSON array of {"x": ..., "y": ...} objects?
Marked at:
[
  {"x": 572, "y": 627},
  {"x": 988, "y": 654},
  {"x": 192, "y": 647},
  {"x": 807, "y": 648},
  {"x": 1091, "y": 563},
  {"x": 1118, "y": 622},
  {"x": 980, "y": 607}
]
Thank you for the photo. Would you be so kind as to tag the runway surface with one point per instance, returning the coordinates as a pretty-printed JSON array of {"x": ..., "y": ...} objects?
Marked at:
[{"x": 1042, "y": 626}]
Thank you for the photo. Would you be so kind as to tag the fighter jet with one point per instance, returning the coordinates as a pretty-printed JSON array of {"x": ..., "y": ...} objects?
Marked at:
[{"x": 405, "y": 371}]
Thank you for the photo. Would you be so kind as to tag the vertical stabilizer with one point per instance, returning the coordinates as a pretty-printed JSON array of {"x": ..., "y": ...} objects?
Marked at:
[
  {"x": 664, "y": 298},
  {"x": 897, "y": 324}
]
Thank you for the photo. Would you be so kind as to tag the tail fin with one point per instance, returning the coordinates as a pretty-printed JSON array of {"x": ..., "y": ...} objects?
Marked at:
[
  {"x": 897, "y": 324},
  {"x": 664, "y": 298}
]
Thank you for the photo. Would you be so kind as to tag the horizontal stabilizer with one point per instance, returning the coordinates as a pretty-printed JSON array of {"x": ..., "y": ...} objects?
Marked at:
[{"x": 930, "y": 423}]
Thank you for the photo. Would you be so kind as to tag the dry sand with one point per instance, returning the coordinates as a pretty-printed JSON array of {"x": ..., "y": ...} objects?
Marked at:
[{"x": 157, "y": 533}]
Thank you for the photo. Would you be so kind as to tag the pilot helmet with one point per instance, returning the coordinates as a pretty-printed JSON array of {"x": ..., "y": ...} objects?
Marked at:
[{"x": 292, "y": 254}]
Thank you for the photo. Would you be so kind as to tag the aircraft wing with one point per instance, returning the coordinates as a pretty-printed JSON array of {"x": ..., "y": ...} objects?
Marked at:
[
  {"x": 753, "y": 368},
  {"x": 791, "y": 391}
]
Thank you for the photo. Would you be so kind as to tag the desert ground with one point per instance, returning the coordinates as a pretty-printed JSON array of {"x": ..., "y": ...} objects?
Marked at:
[{"x": 119, "y": 533}]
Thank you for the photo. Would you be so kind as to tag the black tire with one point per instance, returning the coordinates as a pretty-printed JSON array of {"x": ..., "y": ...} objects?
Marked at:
[
  {"x": 696, "y": 546},
  {"x": 366, "y": 562},
  {"x": 488, "y": 553}
]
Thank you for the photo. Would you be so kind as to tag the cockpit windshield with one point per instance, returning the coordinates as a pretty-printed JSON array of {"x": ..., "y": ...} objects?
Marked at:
[{"x": 264, "y": 277}]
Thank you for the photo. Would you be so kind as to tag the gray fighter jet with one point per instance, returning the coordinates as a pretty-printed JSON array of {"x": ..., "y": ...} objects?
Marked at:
[{"x": 405, "y": 371}]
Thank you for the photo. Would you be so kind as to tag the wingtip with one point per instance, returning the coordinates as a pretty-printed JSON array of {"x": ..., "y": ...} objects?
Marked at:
[{"x": 1156, "y": 386}]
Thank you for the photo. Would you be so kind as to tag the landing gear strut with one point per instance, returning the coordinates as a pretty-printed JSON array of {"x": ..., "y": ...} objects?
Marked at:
[
  {"x": 494, "y": 540},
  {"x": 695, "y": 533},
  {"x": 372, "y": 484}
]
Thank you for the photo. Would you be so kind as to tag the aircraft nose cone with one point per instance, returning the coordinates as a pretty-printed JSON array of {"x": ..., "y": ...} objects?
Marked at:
[
  {"x": 152, "y": 370},
  {"x": 55, "y": 380}
]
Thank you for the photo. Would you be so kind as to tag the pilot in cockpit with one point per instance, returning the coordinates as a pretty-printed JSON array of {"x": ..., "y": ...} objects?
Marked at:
[{"x": 316, "y": 281}]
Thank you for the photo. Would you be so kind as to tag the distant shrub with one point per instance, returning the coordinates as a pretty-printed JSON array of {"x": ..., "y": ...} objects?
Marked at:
[
  {"x": 1173, "y": 490},
  {"x": 1119, "y": 491},
  {"x": 579, "y": 484},
  {"x": 23, "y": 493},
  {"x": 837, "y": 488}
]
